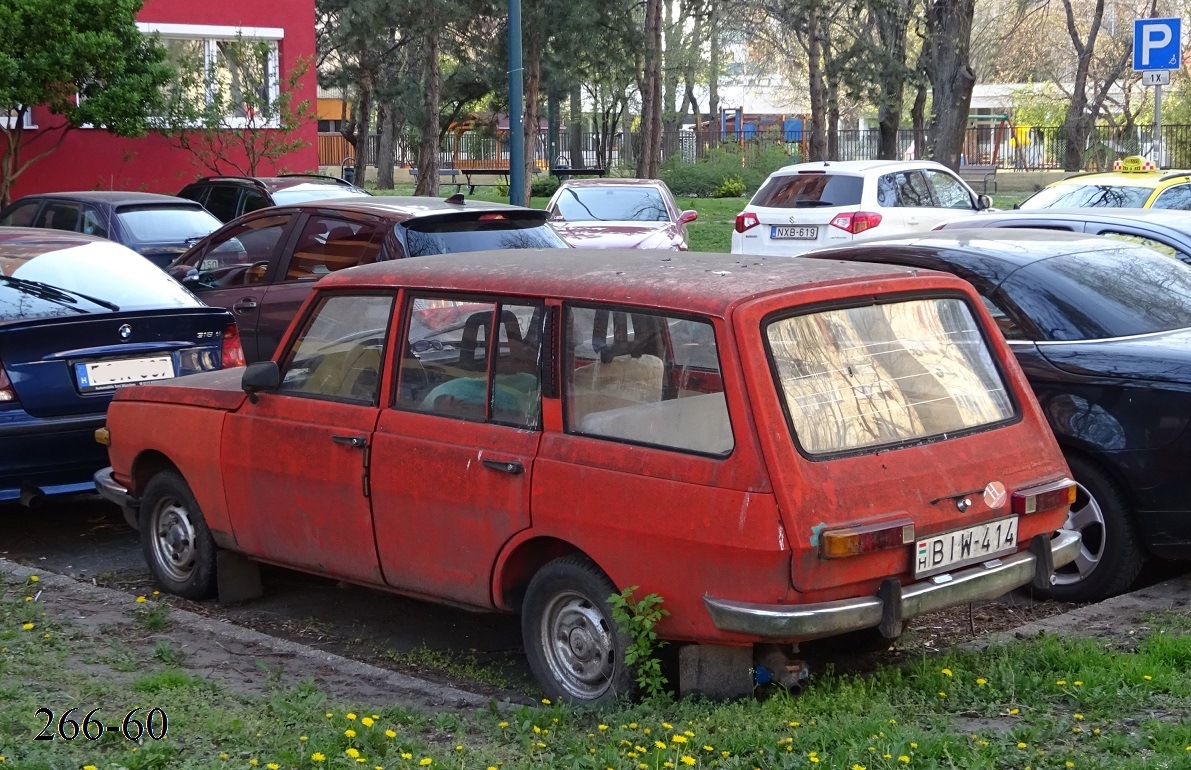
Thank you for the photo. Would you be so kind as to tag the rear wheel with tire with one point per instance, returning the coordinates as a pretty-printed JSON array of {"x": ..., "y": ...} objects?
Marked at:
[
  {"x": 177, "y": 544},
  {"x": 574, "y": 648},
  {"x": 1111, "y": 555}
]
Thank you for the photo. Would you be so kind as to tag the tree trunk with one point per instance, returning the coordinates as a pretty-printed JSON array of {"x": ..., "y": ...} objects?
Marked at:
[
  {"x": 428, "y": 141},
  {"x": 363, "y": 127},
  {"x": 892, "y": 21},
  {"x": 385, "y": 156},
  {"x": 1077, "y": 125},
  {"x": 651, "y": 93},
  {"x": 575, "y": 131},
  {"x": 949, "y": 27},
  {"x": 532, "y": 127},
  {"x": 817, "y": 150},
  {"x": 713, "y": 78}
]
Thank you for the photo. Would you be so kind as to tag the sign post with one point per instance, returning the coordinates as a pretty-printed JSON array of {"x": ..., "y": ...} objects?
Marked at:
[{"x": 1157, "y": 51}]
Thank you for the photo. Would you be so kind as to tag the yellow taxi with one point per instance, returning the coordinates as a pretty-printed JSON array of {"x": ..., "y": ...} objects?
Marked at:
[{"x": 1133, "y": 183}]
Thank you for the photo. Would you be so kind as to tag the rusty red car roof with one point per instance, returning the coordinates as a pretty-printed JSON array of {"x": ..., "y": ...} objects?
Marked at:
[{"x": 691, "y": 281}]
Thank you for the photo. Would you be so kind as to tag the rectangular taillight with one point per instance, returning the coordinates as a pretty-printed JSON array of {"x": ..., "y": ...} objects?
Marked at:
[
  {"x": 233, "y": 352},
  {"x": 8, "y": 394},
  {"x": 868, "y": 538},
  {"x": 1046, "y": 497},
  {"x": 746, "y": 220}
]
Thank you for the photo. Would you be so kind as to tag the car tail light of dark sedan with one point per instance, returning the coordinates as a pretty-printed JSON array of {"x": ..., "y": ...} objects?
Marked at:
[
  {"x": 8, "y": 394},
  {"x": 746, "y": 220},
  {"x": 233, "y": 351}
]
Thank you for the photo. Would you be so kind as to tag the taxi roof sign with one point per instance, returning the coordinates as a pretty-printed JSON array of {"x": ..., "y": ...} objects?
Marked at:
[{"x": 1134, "y": 164}]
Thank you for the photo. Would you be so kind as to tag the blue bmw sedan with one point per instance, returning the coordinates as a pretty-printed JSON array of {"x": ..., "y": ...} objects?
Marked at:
[{"x": 81, "y": 316}]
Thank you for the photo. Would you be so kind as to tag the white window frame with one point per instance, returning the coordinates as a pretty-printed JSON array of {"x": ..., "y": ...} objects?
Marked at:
[
  {"x": 10, "y": 121},
  {"x": 210, "y": 34}
]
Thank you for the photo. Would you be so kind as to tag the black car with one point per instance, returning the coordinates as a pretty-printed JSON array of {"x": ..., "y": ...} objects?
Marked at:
[
  {"x": 1164, "y": 230},
  {"x": 264, "y": 264},
  {"x": 81, "y": 317},
  {"x": 228, "y": 197},
  {"x": 1103, "y": 331},
  {"x": 158, "y": 227}
]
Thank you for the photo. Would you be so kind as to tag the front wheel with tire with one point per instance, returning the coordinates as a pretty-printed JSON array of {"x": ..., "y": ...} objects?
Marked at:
[
  {"x": 574, "y": 648},
  {"x": 1110, "y": 555},
  {"x": 177, "y": 544}
]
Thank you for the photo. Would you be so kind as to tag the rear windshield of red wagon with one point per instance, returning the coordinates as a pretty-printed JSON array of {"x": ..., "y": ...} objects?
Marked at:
[{"x": 863, "y": 378}]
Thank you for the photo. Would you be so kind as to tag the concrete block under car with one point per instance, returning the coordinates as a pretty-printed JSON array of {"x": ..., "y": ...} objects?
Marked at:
[
  {"x": 239, "y": 578},
  {"x": 715, "y": 671}
]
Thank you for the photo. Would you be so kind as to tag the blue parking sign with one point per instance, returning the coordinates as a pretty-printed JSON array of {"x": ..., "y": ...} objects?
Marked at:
[{"x": 1156, "y": 44}]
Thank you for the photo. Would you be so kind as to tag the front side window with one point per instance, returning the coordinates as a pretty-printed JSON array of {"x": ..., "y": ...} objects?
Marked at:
[
  {"x": 222, "y": 200},
  {"x": 1177, "y": 197},
  {"x": 339, "y": 352},
  {"x": 237, "y": 257},
  {"x": 950, "y": 193},
  {"x": 478, "y": 361},
  {"x": 645, "y": 378},
  {"x": 60, "y": 215},
  {"x": 904, "y": 188},
  {"x": 20, "y": 215},
  {"x": 882, "y": 375},
  {"x": 328, "y": 244}
]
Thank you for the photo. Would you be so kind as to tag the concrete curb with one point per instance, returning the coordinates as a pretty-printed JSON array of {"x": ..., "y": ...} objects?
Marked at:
[
  {"x": 1103, "y": 618},
  {"x": 399, "y": 685}
]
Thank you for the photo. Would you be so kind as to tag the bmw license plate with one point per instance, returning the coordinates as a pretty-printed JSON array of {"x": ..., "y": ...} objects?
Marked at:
[
  {"x": 103, "y": 375},
  {"x": 961, "y": 547},
  {"x": 795, "y": 232}
]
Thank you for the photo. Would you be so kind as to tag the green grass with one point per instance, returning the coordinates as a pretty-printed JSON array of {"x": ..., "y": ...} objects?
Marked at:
[{"x": 1046, "y": 703}]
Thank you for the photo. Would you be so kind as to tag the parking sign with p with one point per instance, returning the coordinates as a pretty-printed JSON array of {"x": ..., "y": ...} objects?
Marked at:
[{"x": 1156, "y": 44}]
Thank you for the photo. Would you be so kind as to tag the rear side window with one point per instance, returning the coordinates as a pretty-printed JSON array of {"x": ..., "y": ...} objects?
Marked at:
[
  {"x": 328, "y": 244},
  {"x": 881, "y": 375},
  {"x": 793, "y": 191},
  {"x": 221, "y": 201},
  {"x": 60, "y": 215},
  {"x": 166, "y": 224},
  {"x": 645, "y": 378},
  {"x": 477, "y": 231}
]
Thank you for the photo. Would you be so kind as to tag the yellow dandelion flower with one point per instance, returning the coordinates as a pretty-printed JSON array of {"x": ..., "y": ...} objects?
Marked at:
[
  {"x": 1061, "y": 682},
  {"x": 329, "y": 715},
  {"x": 458, "y": 747},
  {"x": 1077, "y": 729},
  {"x": 1147, "y": 677},
  {"x": 687, "y": 760},
  {"x": 425, "y": 761},
  {"x": 1077, "y": 683},
  {"x": 709, "y": 748},
  {"x": 45, "y": 636},
  {"x": 317, "y": 756},
  {"x": 795, "y": 724},
  {"x": 375, "y": 717},
  {"x": 667, "y": 763},
  {"x": 1021, "y": 745},
  {"x": 406, "y": 755},
  {"x": 28, "y": 626},
  {"x": 141, "y": 600},
  {"x": 913, "y": 745},
  {"x": 1077, "y": 717},
  {"x": 350, "y": 715},
  {"x": 942, "y": 694},
  {"x": 503, "y": 725},
  {"x": 631, "y": 755},
  {"x": 602, "y": 728},
  {"x": 303, "y": 738},
  {"x": 892, "y": 721},
  {"x": 390, "y": 734},
  {"x": 667, "y": 725},
  {"x": 688, "y": 733},
  {"x": 1096, "y": 731},
  {"x": 983, "y": 743},
  {"x": 981, "y": 681},
  {"x": 352, "y": 752},
  {"x": 85, "y": 767},
  {"x": 540, "y": 745},
  {"x": 1014, "y": 712},
  {"x": 273, "y": 766},
  {"x": 254, "y": 762},
  {"x": 946, "y": 672},
  {"x": 545, "y": 701},
  {"x": 646, "y": 731},
  {"x": 887, "y": 756},
  {"x": 1069, "y": 763},
  {"x": 659, "y": 744},
  {"x": 814, "y": 760},
  {"x": 33, "y": 578},
  {"x": 632, "y": 725},
  {"x": 537, "y": 729},
  {"x": 678, "y": 739},
  {"x": 642, "y": 766},
  {"x": 725, "y": 754},
  {"x": 858, "y": 767},
  {"x": 641, "y": 749},
  {"x": 904, "y": 759},
  {"x": 350, "y": 733},
  {"x": 366, "y": 721},
  {"x": 28, "y": 598}
]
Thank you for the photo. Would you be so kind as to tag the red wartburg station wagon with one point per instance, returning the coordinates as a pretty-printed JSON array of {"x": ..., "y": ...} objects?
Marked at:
[{"x": 782, "y": 450}]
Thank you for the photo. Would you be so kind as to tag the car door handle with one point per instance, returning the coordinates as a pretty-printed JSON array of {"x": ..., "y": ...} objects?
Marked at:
[
  {"x": 359, "y": 442},
  {"x": 245, "y": 304},
  {"x": 505, "y": 466}
]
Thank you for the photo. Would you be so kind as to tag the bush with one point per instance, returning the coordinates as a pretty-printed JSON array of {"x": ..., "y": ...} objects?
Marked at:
[
  {"x": 704, "y": 178},
  {"x": 732, "y": 187},
  {"x": 543, "y": 186}
]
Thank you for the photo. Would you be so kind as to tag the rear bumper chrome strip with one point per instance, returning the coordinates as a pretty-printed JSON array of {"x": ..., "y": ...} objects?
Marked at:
[{"x": 893, "y": 603}]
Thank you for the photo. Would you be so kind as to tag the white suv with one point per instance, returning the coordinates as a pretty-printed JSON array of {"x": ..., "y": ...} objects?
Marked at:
[{"x": 812, "y": 205}]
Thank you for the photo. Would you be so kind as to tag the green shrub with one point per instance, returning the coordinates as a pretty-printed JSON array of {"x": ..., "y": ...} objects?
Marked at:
[
  {"x": 750, "y": 164},
  {"x": 732, "y": 187},
  {"x": 543, "y": 186}
]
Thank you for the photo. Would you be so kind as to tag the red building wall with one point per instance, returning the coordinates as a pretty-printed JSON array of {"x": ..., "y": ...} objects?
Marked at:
[{"x": 91, "y": 159}]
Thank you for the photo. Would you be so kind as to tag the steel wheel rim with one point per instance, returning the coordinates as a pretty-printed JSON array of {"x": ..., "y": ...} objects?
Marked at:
[
  {"x": 578, "y": 645},
  {"x": 1088, "y": 520},
  {"x": 173, "y": 540}
]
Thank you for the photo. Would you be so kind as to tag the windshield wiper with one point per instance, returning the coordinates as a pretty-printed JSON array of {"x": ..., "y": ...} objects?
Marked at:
[{"x": 55, "y": 293}]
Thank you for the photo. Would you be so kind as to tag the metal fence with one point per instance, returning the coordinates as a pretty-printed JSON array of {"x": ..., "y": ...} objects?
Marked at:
[{"x": 1005, "y": 146}]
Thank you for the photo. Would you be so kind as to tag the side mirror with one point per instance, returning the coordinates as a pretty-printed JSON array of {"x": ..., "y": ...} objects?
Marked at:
[
  {"x": 690, "y": 215},
  {"x": 983, "y": 202},
  {"x": 263, "y": 375}
]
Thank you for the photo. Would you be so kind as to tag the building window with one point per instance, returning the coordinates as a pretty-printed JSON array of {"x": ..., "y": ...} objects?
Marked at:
[
  {"x": 238, "y": 66},
  {"x": 9, "y": 120}
]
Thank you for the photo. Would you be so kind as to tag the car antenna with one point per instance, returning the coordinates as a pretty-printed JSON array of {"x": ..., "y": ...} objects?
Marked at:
[{"x": 457, "y": 199}]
